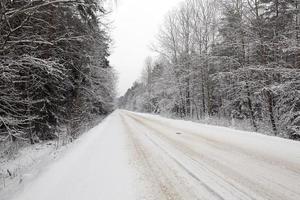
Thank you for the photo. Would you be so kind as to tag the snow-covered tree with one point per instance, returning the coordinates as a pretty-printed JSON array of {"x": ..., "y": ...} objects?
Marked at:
[
  {"x": 231, "y": 59},
  {"x": 54, "y": 67}
]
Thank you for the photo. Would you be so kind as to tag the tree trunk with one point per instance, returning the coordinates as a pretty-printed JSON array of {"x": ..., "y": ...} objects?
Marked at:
[
  {"x": 250, "y": 105},
  {"x": 270, "y": 102},
  {"x": 203, "y": 97}
]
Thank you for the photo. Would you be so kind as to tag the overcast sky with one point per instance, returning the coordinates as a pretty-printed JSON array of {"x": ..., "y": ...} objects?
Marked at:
[{"x": 135, "y": 26}]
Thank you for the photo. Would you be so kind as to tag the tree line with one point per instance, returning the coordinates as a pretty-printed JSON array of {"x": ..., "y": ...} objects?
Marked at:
[
  {"x": 54, "y": 71},
  {"x": 229, "y": 59}
]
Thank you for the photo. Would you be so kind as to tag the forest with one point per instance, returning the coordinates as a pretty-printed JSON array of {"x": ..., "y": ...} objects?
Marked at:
[
  {"x": 237, "y": 61},
  {"x": 55, "y": 76}
]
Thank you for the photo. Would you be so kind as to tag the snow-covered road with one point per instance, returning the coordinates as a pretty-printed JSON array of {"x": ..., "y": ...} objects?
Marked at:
[{"x": 137, "y": 156}]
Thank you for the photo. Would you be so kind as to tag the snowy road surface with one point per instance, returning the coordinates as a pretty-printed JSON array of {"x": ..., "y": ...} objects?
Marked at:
[{"x": 135, "y": 156}]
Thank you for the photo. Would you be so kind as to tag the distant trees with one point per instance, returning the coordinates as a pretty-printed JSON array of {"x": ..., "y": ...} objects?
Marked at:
[
  {"x": 54, "y": 70},
  {"x": 230, "y": 59}
]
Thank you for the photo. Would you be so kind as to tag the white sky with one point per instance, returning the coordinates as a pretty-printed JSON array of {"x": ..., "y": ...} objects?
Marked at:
[{"x": 136, "y": 24}]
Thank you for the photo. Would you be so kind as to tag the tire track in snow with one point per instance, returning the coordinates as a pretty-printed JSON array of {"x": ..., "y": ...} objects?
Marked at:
[
  {"x": 258, "y": 191},
  {"x": 148, "y": 172},
  {"x": 193, "y": 174}
]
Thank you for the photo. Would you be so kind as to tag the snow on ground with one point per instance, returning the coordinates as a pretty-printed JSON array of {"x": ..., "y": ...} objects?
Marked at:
[
  {"x": 17, "y": 168},
  {"x": 139, "y": 156},
  {"x": 282, "y": 149},
  {"x": 96, "y": 167},
  {"x": 22, "y": 163},
  {"x": 229, "y": 164}
]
